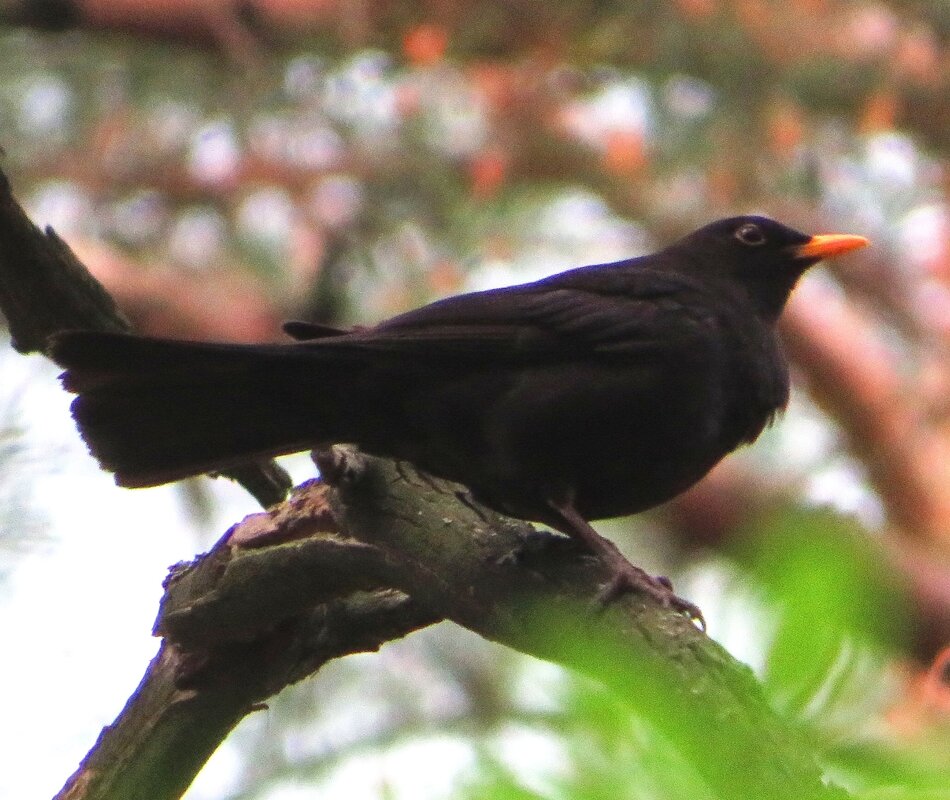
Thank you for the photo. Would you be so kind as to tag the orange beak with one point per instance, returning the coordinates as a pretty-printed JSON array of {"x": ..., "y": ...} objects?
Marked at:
[{"x": 829, "y": 245}]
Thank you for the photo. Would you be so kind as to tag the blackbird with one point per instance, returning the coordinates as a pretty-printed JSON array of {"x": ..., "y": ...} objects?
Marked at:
[{"x": 593, "y": 393}]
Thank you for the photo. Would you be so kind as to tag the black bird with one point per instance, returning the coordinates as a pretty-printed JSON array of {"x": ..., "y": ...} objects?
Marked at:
[{"x": 597, "y": 392}]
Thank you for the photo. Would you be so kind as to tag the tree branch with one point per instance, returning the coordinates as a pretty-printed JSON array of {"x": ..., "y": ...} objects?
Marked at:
[
  {"x": 45, "y": 289},
  {"x": 341, "y": 570}
]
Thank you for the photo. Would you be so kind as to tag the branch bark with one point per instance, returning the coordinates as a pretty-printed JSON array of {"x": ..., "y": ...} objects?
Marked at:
[{"x": 385, "y": 551}]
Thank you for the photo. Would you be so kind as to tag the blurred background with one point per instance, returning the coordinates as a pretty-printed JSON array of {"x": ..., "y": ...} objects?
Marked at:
[{"x": 224, "y": 166}]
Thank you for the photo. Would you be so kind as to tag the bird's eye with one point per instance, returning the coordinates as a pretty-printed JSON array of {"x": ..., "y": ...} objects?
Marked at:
[{"x": 750, "y": 234}]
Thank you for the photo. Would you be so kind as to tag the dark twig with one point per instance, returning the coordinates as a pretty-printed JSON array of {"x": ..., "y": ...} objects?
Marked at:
[{"x": 45, "y": 289}]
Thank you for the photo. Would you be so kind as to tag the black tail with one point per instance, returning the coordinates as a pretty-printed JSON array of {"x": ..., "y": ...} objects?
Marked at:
[{"x": 154, "y": 410}]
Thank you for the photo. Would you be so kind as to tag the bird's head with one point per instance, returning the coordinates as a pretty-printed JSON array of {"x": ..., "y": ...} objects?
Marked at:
[{"x": 759, "y": 255}]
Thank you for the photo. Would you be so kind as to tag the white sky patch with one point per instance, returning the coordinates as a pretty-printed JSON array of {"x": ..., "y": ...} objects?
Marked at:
[
  {"x": 842, "y": 486},
  {"x": 536, "y": 757},
  {"x": 425, "y": 769},
  {"x": 77, "y": 612}
]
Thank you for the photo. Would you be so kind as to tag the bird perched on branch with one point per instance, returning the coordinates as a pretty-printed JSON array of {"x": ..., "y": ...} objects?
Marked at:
[{"x": 596, "y": 392}]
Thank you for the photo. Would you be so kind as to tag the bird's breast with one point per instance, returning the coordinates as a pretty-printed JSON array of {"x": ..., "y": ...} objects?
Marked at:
[
  {"x": 619, "y": 433},
  {"x": 658, "y": 429}
]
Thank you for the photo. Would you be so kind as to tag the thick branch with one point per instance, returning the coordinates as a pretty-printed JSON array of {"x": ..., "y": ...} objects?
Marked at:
[
  {"x": 284, "y": 591},
  {"x": 705, "y": 702},
  {"x": 169, "y": 729}
]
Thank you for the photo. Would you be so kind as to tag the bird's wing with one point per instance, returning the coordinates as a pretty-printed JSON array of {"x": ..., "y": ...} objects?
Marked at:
[{"x": 536, "y": 322}]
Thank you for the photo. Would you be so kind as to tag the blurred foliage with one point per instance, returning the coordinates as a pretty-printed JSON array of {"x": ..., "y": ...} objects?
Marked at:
[
  {"x": 387, "y": 153},
  {"x": 445, "y": 708},
  {"x": 834, "y": 588},
  {"x": 356, "y": 159}
]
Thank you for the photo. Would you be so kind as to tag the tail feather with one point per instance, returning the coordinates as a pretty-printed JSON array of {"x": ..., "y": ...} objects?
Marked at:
[{"x": 155, "y": 410}]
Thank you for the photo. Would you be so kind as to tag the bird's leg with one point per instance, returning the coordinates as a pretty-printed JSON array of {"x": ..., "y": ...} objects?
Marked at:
[{"x": 625, "y": 576}]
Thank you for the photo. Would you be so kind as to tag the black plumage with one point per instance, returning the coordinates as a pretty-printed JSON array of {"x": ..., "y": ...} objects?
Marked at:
[{"x": 596, "y": 392}]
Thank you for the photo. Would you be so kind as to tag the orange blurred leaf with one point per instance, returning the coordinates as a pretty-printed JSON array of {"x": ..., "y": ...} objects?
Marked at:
[
  {"x": 697, "y": 9},
  {"x": 487, "y": 171},
  {"x": 879, "y": 112},
  {"x": 625, "y": 153},
  {"x": 926, "y": 700},
  {"x": 425, "y": 45},
  {"x": 785, "y": 130}
]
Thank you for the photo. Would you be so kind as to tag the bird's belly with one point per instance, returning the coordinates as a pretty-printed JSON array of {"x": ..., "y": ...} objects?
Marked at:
[
  {"x": 613, "y": 441},
  {"x": 637, "y": 467},
  {"x": 631, "y": 482}
]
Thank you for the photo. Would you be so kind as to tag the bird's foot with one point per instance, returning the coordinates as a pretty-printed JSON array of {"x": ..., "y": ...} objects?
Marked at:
[
  {"x": 625, "y": 577},
  {"x": 629, "y": 578}
]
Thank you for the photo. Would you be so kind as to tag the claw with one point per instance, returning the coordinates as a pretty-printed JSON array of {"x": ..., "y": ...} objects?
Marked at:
[
  {"x": 629, "y": 578},
  {"x": 626, "y": 577}
]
